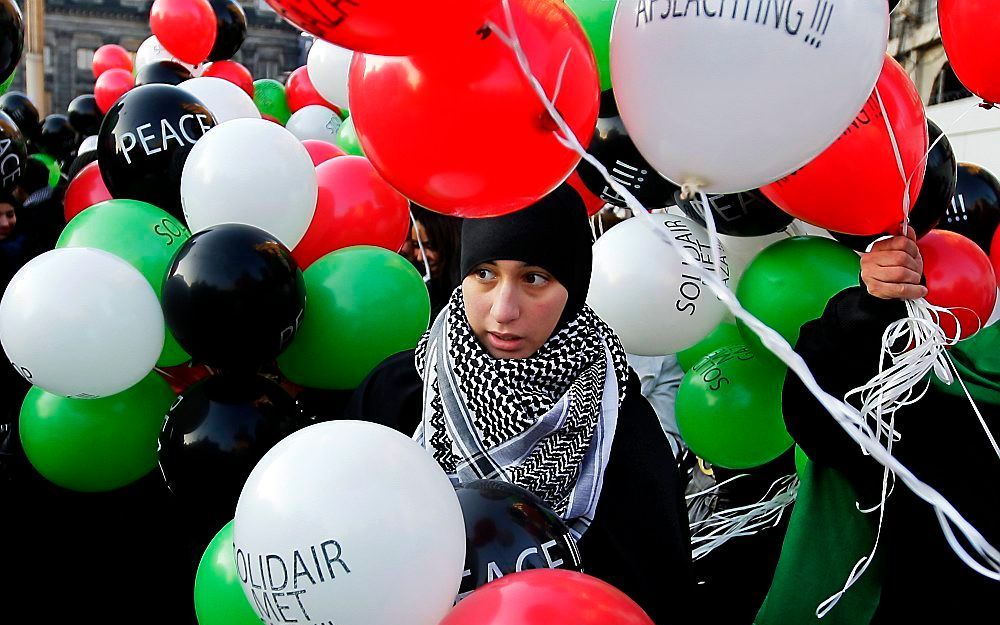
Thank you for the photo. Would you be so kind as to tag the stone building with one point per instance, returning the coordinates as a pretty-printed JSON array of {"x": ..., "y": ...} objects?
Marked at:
[
  {"x": 915, "y": 41},
  {"x": 75, "y": 28}
]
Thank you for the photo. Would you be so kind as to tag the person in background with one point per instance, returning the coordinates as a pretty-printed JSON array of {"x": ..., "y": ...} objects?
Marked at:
[
  {"x": 941, "y": 441},
  {"x": 660, "y": 377},
  {"x": 435, "y": 249},
  {"x": 42, "y": 216},
  {"x": 518, "y": 367}
]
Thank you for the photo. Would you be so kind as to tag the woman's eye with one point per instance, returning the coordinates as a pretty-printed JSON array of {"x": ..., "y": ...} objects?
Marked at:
[
  {"x": 535, "y": 279},
  {"x": 484, "y": 274}
]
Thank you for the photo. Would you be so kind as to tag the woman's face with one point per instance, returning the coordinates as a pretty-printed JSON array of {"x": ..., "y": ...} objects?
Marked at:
[
  {"x": 417, "y": 233},
  {"x": 8, "y": 218},
  {"x": 513, "y": 307}
]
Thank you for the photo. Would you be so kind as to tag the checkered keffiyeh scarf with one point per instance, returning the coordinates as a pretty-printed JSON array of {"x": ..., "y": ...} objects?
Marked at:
[{"x": 544, "y": 423}]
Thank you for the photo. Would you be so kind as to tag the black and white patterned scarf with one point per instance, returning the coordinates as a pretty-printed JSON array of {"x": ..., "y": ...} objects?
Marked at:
[{"x": 545, "y": 423}]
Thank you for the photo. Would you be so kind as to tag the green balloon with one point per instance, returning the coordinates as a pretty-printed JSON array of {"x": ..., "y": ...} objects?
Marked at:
[
  {"x": 790, "y": 283},
  {"x": 142, "y": 235},
  {"x": 344, "y": 114},
  {"x": 729, "y": 409},
  {"x": 801, "y": 459},
  {"x": 6, "y": 84},
  {"x": 347, "y": 138},
  {"x": 364, "y": 305},
  {"x": 269, "y": 96},
  {"x": 724, "y": 334},
  {"x": 596, "y": 17},
  {"x": 53, "y": 166},
  {"x": 218, "y": 595},
  {"x": 92, "y": 445}
]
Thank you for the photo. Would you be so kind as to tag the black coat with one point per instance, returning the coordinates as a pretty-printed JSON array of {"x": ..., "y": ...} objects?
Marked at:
[
  {"x": 639, "y": 540},
  {"x": 942, "y": 442}
]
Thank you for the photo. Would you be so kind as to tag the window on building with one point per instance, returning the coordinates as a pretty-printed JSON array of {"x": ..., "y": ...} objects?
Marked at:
[
  {"x": 47, "y": 59},
  {"x": 948, "y": 87},
  {"x": 84, "y": 58}
]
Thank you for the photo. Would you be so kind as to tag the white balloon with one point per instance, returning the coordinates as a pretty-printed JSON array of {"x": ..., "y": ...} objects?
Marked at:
[
  {"x": 152, "y": 50},
  {"x": 740, "y": 251},
  {"x": 641, "y": 288},
  {"x": 328, "y": 66},
  {"x": 81, "y": 322},
  {"x": 250, "y": 171},
  {"x": 314, "y": 122},
  {"x": 734, "y": 95},
  {"x": 224, "y": 99},
  {"x": 351, "y": 523},
  {"x": 89, "y": 144}
]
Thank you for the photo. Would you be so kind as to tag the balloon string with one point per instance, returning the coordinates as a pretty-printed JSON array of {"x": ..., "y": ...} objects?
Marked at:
[
  {"x": 943, "y": 135},
  {"x": 846, "y": 416},
  {"x": 420, "y": 244}
]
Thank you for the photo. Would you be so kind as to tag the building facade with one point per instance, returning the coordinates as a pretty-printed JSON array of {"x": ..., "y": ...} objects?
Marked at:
[{"x": 75, "y": 28}]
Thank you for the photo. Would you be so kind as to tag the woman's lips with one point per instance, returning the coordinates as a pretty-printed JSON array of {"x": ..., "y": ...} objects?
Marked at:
[{"x": 504, "y": 342}]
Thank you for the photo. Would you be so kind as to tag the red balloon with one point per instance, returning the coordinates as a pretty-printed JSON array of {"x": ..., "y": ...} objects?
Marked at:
[
  {"x": 995, "y": 252},
  {"x": 497, "y": 150},
  {"x": 379, "y": 27},
  {"x": 111, "y": 56},
  {"x": 85, "y": 190},
  {"x": 854, "y": 186},
  {"x": 186, "y": 28},
  {"x": 593, "y": 203},
  {"x": 182, "y": 376},
  {"x": 322, "y": 151},
  {"x": 959, "y": 276},
  {"x": 968, "y": 32},
  {"x": 547, "y": 597},
  {"x": 300, "y": 92},
  {"x": 112, "y": 85},
  {"x": 233, "y": 72},
  {"x": 354, "y": 207}
]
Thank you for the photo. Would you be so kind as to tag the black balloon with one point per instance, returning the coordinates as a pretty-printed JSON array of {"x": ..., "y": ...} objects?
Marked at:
[
  {"x": 145, "y": 140},
  {"x": 11, "y": 37},
  {"x": 748, "y": 214},
  {"x": 216, "y": 432},
  {"x": 233, "y": 297},
  {"x": 84, "y": 115},
  {"x": 940, "y": 179},
  {"x": 13, "y": 153},
  {"x": 975, "y": 209},
  {"x": 162, "y": 73},
  {"x": 22, "y": 110},
  {"x": 612, "y": 146},
  {"x": 507, "y": 530},
  {"x": 57, "y": 138},
  {"x": 230, "y": 29}
]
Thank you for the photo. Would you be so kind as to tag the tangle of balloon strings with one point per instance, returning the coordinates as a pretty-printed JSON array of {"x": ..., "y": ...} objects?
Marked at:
[
  {"x": 848, "y": 417},
  {"x": 721, "y": 527},
  {"x": 420, "y": 244}
]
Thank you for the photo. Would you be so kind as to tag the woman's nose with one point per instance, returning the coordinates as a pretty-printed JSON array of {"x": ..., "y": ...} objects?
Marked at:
[{"x": 506, "y": 307}]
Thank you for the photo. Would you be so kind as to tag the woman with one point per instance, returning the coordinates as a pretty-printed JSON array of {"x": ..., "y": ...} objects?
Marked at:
[
  {"x": 435, "y": 247},
  {"x": 521, "y": 381}
]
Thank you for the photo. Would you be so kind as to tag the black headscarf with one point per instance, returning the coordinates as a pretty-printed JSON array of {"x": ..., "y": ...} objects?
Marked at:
[{"x": 553, "y": 233}]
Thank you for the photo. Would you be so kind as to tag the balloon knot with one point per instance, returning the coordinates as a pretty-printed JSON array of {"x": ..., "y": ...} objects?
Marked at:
[
  {"x": 988, "y": 105},
  {"x": 689, "y": 190}
]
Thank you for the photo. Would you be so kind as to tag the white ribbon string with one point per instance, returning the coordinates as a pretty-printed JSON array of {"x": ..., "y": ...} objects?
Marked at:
[
  {"x": 721, "y": 527},
  {"x": 846, "y": 416}
]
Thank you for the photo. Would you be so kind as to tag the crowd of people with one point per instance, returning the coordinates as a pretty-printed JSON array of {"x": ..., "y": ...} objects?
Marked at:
[{"x": 513, "y": 352}]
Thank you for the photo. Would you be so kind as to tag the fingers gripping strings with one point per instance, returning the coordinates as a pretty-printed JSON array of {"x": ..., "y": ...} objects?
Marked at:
[{"x": 846, "y": 416}]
